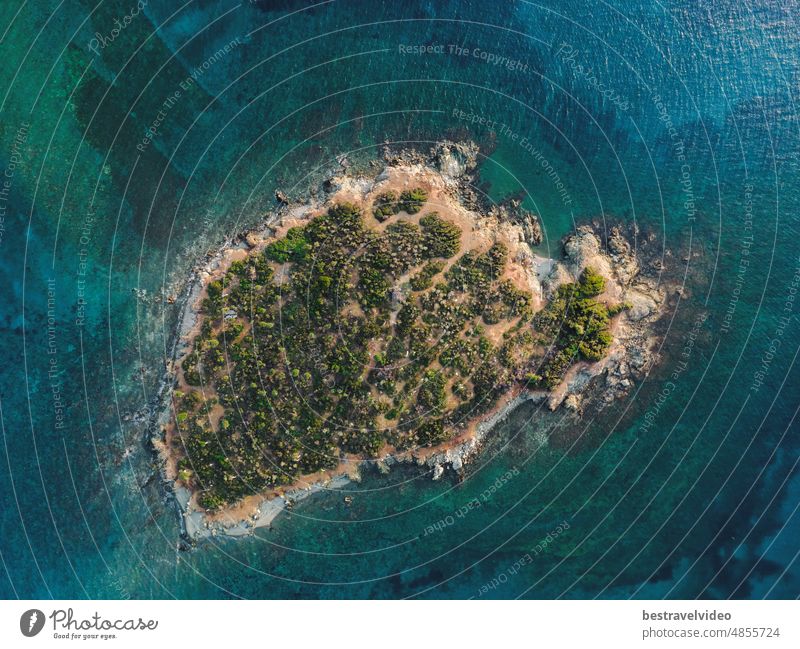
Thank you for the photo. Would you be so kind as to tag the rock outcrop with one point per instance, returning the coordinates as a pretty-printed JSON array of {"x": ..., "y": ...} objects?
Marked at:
[{"x": 633, "y": 349}]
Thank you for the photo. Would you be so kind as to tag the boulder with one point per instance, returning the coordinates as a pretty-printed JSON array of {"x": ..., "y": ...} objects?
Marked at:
[
  {"x": 455, "y": 160},
  {"x": 581, "y": 246},
  {"x": 558, "y": 275},
  {"x": 572, "y": 402},
  {"x": 642, "y": 305},
  {"x": 530, "y": 227},
  {"x": 617, "y": 244}
]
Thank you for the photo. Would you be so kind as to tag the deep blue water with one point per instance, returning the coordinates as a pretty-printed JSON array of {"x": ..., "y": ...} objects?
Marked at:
[{"x": 695, "y": 139}]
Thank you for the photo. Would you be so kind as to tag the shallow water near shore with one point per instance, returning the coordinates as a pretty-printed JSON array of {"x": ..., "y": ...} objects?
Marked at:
[{"x": 686, "y": 489}]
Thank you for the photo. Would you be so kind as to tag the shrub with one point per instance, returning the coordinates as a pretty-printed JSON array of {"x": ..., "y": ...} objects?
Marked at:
[
  {"x": 515, "y": 299},
  {"x": 412, "y": 200},
  {"x": 190, "y": 369},
  {"x": 441, "y": 238},
  {"x": 497, "y": 256},
  {"x": 403, "y": 242},
  {"x": 591, "y": 283},
  {"x": 431, "y": 433},
  {"x": 385, "y": 205},
  {"x": 595, "y": 347},
  {"x": 460, "y": 390},
  {"x": 406, "y": 317},
  {"x": 431, "y": 396},
  {"x": 211, "y": 501},
  {"x": 292, "y": 247},
  {"x": 374, "y": 288},
  {"x": 555, "y": 368},
  {"x": 492, "y": 313},
  {"x": 344, "y": 213},
  {"x": 619, "y": 308},
  {"x": 424, "y": 278},
  {"x": 583, "y": 325}
]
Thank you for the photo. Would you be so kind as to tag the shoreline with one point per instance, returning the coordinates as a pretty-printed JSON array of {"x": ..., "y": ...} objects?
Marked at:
[{"x": 260, "y": 510}]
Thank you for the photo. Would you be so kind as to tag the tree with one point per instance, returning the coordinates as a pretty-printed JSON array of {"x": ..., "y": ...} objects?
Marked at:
[
  {"x": 292, "y": 247},
  {"x": 591, "y": 283},
  {"x": 385, "y": 205},
  {"x": 412, "y": 200},
  {"x": 403, "y": 241},
  {"x": 424, "y": 278},
  {"x": 441, "y": 238},
  {"x": 431, "y": 396}
]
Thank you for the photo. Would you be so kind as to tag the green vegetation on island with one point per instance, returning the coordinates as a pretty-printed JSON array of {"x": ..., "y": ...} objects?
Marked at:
[
  {"x": 577, "y": 325},
  {"x": 388, "y": 203},
  {"x": 315, "y": 348}
]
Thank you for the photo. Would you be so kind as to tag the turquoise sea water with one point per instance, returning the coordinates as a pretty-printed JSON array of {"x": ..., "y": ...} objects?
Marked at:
[{"x": 127, "y": 155}]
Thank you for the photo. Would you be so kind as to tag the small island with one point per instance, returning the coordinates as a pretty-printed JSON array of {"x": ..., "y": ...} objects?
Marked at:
[{"x": 394, "y": 318}]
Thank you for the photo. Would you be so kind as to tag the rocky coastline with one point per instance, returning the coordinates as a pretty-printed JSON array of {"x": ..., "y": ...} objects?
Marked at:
[{"x": 612, "y": 250}]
